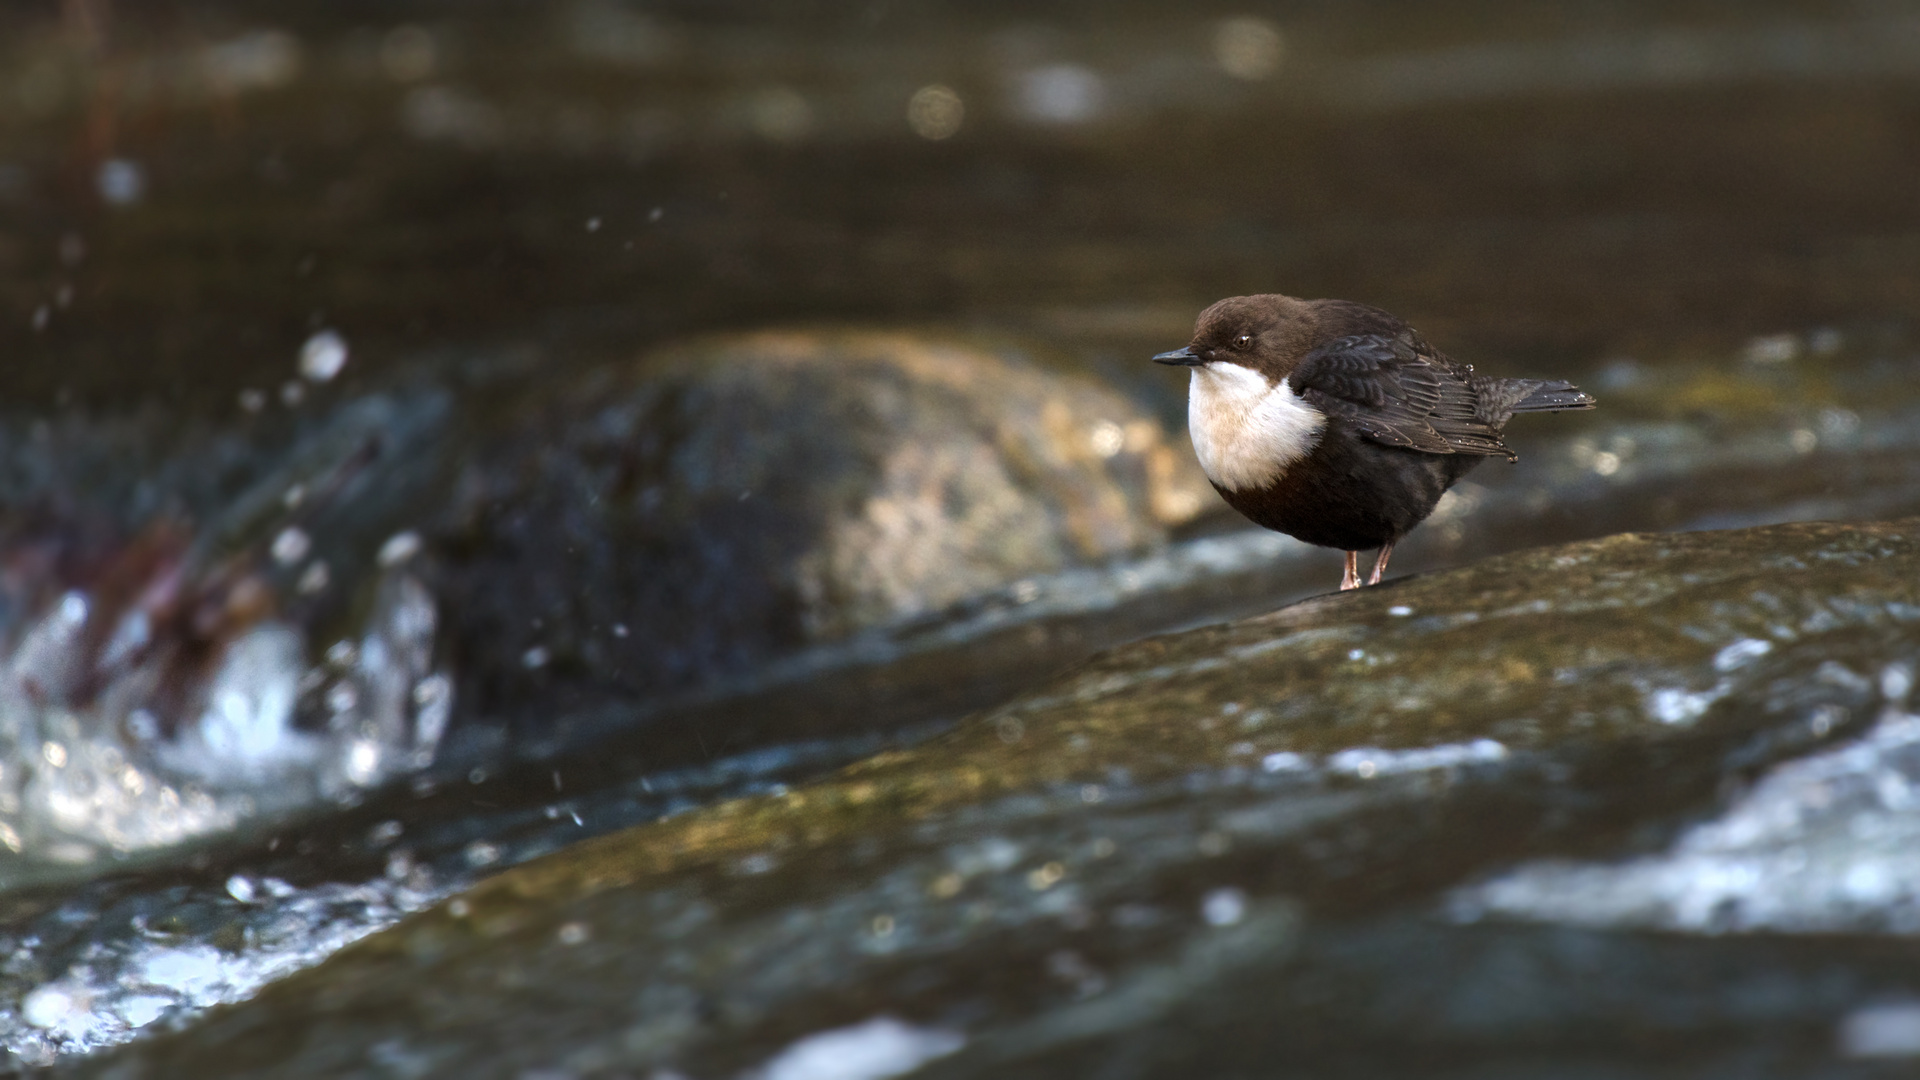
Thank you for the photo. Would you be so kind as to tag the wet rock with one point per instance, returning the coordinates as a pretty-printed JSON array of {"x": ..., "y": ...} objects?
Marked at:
[
  {"x": 257, "y": 618},
  {"x": 666, "y": 524},
  {"x": 1102, "y": 876}
]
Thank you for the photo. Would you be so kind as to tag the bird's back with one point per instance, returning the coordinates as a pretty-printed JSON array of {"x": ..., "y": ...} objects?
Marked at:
[{"x": 1481, "y": 400}]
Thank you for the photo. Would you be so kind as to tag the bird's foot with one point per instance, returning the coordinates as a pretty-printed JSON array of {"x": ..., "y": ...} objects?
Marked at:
[
  {"x": 1380, "y": 565},
  {"x": 1351, "y": 579}
]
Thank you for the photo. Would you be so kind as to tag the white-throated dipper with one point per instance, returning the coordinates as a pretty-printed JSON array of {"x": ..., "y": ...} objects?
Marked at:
[{"x": 1338, "y": 424}]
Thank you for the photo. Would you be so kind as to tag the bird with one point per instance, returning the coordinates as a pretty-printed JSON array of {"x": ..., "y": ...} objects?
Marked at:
[{"x": 1337, "y": 423}]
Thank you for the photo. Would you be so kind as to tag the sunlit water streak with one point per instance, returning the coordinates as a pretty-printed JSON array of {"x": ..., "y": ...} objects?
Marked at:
[{"x": 1826, "y": 843}]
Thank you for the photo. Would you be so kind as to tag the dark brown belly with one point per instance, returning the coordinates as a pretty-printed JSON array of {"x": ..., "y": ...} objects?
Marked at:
[{"x": 1352, "y": 494}]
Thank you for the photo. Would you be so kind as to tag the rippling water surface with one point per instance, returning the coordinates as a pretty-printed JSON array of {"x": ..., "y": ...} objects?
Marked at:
[{"x": 373, "y": 382}]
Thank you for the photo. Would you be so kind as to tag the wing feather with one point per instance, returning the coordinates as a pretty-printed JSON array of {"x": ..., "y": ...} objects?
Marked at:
[{"x": 1399, "y": 391}]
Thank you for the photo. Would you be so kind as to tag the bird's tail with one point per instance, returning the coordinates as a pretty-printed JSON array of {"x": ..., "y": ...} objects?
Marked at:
[{"x": 1547, "y": 395}]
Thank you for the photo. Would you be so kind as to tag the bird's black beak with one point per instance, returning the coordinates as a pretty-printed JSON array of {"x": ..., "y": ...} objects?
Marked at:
[{"x": 1181, "y": 358}]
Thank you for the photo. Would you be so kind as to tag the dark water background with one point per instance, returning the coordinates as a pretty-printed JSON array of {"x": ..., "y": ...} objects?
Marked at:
[{"x": 1530, "y": 184}]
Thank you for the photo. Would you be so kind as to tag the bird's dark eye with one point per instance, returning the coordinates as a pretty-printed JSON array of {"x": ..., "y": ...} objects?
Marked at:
[{"x": 1244, "y": 341}]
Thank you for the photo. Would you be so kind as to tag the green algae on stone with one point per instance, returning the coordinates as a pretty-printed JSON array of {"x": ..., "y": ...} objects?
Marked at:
[{"x": 1103, "y": 836}]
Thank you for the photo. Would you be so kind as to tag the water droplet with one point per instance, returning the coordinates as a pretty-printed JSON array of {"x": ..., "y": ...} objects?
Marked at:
[
  {"x": 363, "y": 762},
  {"x": 935, "y": 112},
  {"x": 291, "y": 545},
  {"x": 314, "y": 579},
  {"x": 121, "y": 182},
  {"x": 780, "y": 114},
  {"x": 1060, "y": 94},
  {"x": 1224, "y": 907},
  {"x": 73, "y": 609},
  {"x": 323, "y": 355},
  {"x": 434, "y": 689},
  {"x": 400, "y": 865},
  {"x": 1772, "y": 349},
  {"x": 1896, "y": 681},
  {"x": 240, "y": 888},
  {"x": 342, "y": 697},
  {"x": 1046, "y": 877},
  {"x": 1248, "y": 48},
  {"x": 399, "y": 547}
]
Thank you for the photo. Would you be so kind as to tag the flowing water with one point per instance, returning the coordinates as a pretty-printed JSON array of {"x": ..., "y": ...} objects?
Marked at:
[{"x": 394, "y": 490}]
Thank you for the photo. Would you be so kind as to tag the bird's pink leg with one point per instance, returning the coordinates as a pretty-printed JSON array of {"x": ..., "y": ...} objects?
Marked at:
[
  {"x": 1351, "y": 579},
  {"x": 1380, "y": 566}
]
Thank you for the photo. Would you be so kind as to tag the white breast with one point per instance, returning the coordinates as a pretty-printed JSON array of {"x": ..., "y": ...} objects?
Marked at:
[{"x": 1245, "y": 432}]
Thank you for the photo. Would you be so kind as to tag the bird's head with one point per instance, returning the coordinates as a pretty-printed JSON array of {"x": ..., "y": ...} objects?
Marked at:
[{"x": 1268, "y": 333}]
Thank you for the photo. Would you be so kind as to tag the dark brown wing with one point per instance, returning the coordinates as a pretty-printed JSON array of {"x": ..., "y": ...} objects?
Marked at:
[{"x": 1398, "y": 391}]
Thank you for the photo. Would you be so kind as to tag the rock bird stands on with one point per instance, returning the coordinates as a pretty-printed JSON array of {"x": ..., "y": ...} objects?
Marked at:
[{"x": 1336, "y": 423}]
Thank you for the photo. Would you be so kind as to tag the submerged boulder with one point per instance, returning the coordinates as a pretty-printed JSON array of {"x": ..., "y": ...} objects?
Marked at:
[
  {"x": 1212, "y": 850},
  {"x": 664, "y": 524}
]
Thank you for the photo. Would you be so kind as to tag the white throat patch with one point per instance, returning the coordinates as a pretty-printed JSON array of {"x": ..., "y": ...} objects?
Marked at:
[{"x": 1245, "y": 432}]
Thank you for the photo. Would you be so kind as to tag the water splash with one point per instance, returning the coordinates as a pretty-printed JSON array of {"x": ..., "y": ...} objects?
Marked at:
[
  {"x": 118, "y": 956},
  {"x": 123, "y": 739},
  {"x": 137, "y": 978}
]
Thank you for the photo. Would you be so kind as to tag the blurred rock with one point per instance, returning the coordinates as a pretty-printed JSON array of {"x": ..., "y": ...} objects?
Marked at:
[
  {"x": 1205, "y": 848},
  {"x": 663, "y": 525}
]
